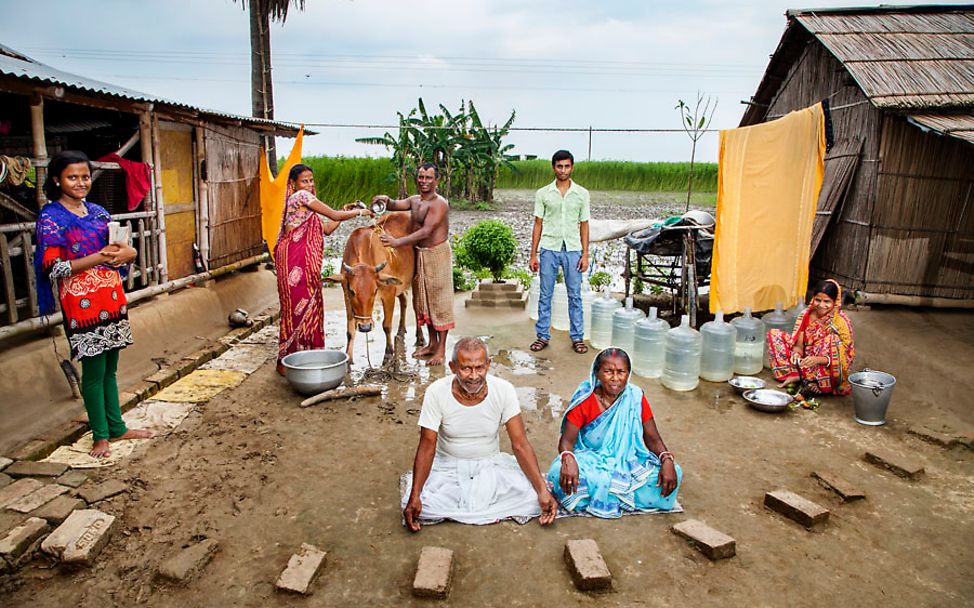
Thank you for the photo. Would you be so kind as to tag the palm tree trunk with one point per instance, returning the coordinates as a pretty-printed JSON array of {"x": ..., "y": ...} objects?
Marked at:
[{"x": 261, "y": 86}]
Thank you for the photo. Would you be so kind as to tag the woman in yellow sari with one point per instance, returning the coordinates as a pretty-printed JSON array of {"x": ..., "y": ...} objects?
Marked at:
[{"x": 820, "y": 350}]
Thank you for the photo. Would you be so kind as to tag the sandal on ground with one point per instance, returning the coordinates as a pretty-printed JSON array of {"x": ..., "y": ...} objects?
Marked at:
[
  {"x": 579, "y": 347},
  {"x": 539, "y": 344}
]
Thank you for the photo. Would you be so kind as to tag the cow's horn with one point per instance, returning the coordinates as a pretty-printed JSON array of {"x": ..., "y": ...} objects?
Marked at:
[
  {"x": 346, "y": 267},
  {"x": 381, "y": 266}
]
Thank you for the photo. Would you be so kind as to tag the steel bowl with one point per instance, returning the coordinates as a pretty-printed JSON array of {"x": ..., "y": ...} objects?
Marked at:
[
  {"x": 742, "y": 384},
  {"x": 313, "y": 371},
  {"x": 768, "y": 400}
]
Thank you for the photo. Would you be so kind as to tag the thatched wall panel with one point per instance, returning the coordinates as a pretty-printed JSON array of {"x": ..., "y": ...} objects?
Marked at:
[{"x": 232, "y": 156}]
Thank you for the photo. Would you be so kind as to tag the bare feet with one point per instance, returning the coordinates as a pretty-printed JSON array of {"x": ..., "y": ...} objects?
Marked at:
[
  {"x": 422, "y": 353},
  {"x": 787, "y": 383},
  {"x": 101, "y": 449},
  {"x": 436, "y": 359},
  {"x": 280, "y": 369},
  {"x": 133, "y": 434}
]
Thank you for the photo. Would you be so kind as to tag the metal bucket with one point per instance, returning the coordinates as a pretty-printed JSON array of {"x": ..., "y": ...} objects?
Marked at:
[
  {"x": 313, "y": 371},
  {"x": 871, "y": 391}
]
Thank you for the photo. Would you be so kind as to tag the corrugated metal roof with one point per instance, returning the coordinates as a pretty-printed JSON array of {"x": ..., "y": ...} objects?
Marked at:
[
  {"x": 960, "y": 126},
  {"x": 18, "y": 65},
  {"x": 902, "y": 57}
]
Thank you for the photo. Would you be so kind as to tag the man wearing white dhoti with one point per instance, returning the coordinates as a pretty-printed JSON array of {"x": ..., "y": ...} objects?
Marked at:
[{"x": 459, "y": 472}]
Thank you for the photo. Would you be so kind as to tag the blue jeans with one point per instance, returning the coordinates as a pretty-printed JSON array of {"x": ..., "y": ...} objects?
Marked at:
[{"x": 550, "y": 261}]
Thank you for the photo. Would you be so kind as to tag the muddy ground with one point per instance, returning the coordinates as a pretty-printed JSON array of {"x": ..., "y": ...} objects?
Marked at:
[{"x": 261, "y": 475}]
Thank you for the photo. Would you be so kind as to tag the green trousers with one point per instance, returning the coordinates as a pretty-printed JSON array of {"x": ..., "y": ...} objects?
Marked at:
[{"x": 99, "y": 388}]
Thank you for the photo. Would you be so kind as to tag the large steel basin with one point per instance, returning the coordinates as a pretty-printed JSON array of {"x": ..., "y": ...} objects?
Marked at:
[{"x": 313, "y": 371}]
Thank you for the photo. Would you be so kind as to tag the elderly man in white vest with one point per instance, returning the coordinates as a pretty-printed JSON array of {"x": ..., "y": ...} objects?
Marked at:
[{"x": 459, "y": 472}]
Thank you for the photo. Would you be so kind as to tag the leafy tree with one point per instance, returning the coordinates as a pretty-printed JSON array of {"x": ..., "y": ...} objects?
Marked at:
[{"x": 490, "y": 244}]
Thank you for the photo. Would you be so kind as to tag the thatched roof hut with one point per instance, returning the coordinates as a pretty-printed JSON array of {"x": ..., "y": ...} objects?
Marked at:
[
  {"x": 896, "y": 215},
  {"x": 203, "y": 168}
]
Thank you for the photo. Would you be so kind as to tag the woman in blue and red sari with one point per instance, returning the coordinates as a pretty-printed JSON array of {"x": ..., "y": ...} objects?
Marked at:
[
  {"x": 73, "y": 251},
  {"x": 298, "y": 255},
  {"x": 820, "y": 350},
  {"x": 612, "y": 459}
]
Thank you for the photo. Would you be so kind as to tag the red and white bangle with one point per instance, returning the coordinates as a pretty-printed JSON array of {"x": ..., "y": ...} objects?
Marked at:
[{"x": 562, "y": 455}]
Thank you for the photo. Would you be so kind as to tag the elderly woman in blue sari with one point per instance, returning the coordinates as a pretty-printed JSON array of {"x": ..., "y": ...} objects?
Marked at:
[{"x": 612, "y": 459}]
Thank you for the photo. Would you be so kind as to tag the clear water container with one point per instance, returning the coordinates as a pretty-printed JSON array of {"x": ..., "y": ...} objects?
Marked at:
[
  {"x": 559, "y": 307},
  {"x": 588, "y": 296},
  {"x": 749, "y": 347},
  {"x": 623, "y": 324},
  {"x": 533, "y": 294},
  {"x": 602, "y": 309},
  {"x": 794, "y": 312},
  {"x": 717, "y": 356},
  {"x": 649, "y": 346},
  {"x": 776, "y": 319},
  {"x": 681, "y": 366}
]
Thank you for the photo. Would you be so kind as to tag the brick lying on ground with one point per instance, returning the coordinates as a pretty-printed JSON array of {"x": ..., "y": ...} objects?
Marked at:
[
  {"x": 895, "y": 463},
  {"x": 5, "y": 462},
  {"x": 188, "y": 563},
  {"x": 19, "y": 539},
  {"x": 795, "y": 507},
  {"x": 164, "y": 377},
  {"x": 81, "y": 537},
  {"x": 434, "y": 573},
  {"x": 302, "y": 570},
  {"x": 936, "y": 437},
  {"x": 72, "y": 478},
  {"x": 5, "y": 480},
  {"x": 588, "y": 569},
  {"x": 17, "y": 490},
  {"x": 58, "y": 509},
  {"x": 93, "y": 493},
  {"x": 28, "y": 468},
  {"x": 38, "y": 498},
  {"x": 846, "y": 491},
  {"x": 710, "y": 542}
]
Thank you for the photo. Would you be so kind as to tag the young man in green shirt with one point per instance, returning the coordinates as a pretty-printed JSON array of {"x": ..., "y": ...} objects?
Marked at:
[{"x": 561, "y": 214}]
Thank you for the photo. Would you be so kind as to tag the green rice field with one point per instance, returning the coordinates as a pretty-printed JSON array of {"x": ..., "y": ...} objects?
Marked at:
[{"x": 340, "y": 180}]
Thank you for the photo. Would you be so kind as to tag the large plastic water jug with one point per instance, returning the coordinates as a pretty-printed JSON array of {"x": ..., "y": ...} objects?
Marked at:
[
  {"x": 559, "y": 307},
  {"x": 776, "y": 319},
  {"x": 717, "y": 355},
  {"x": 749, "y": 347},
  {"x": 534, "y": 292},
  {"x": 794, "y": 312},
  {"x": 623, "y": 325},
  {"x": 681, "y": 367},
  {"x": 649, "y": 345},
  {"x": 588, "y": 296},
  {"x": 602, "y": 309}
]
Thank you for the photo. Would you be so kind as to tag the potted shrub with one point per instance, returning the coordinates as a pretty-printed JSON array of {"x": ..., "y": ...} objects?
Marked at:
[{"x": 490, "y": 245}]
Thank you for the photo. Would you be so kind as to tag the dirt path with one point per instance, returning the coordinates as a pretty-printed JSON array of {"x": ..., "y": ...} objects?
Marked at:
[{"x": 262, "y": 476}]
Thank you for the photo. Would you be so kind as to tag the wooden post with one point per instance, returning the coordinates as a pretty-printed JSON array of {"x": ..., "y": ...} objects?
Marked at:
[
  {"x": 160, "y": 203},
  {"x": 149, "y": 274},
  {"x": 204, "y": 198},
  {"x": 40, "y": 145}
]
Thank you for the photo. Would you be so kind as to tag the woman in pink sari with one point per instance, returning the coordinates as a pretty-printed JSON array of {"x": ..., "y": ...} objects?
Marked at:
[
  {"x": 299, "y": 254},
  {"x": 820, "y": 351}
]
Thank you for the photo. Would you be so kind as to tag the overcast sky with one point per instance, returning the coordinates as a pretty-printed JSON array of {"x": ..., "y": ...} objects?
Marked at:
[{"x": 557, "y": 63}]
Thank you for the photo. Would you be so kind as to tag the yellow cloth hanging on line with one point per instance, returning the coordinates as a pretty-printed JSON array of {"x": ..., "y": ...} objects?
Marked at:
[
  {"x": 272, "y": 191},
  {"x": 768, "y": 180}
]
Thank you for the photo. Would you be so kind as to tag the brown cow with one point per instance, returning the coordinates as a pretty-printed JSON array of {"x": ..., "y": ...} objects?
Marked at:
[{"x": 369, "y": 269}]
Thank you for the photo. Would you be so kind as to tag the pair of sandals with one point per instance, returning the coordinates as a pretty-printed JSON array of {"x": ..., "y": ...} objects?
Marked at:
[{"x": 577, "y": 345}]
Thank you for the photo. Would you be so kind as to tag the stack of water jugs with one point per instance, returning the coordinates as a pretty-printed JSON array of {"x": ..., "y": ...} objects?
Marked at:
[{"x": 680, "y": 356}]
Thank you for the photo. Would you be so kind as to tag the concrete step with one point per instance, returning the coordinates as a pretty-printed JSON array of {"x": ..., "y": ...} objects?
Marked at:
[
  {"x": 520, "y": 303},
  {"x": 490, "y": 285},
  {"x": 496, "y": 295}
]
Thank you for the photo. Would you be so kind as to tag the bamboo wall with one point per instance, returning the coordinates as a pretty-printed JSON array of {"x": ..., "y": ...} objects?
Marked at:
[
  {"x": 232, "y": 156},
  {"x": 922, "y": 233}
]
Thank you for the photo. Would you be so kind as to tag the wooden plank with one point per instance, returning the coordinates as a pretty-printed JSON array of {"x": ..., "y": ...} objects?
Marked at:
[
  {"x": 8, "y": 281},
  {"x": 9, "y": 203},
  {"x": 28, "y": 248},
  {"x": 130, "y": 282}
]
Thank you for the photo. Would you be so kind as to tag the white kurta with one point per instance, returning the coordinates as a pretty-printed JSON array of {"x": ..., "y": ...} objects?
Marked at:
[{"x": 471, "y": 480}]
